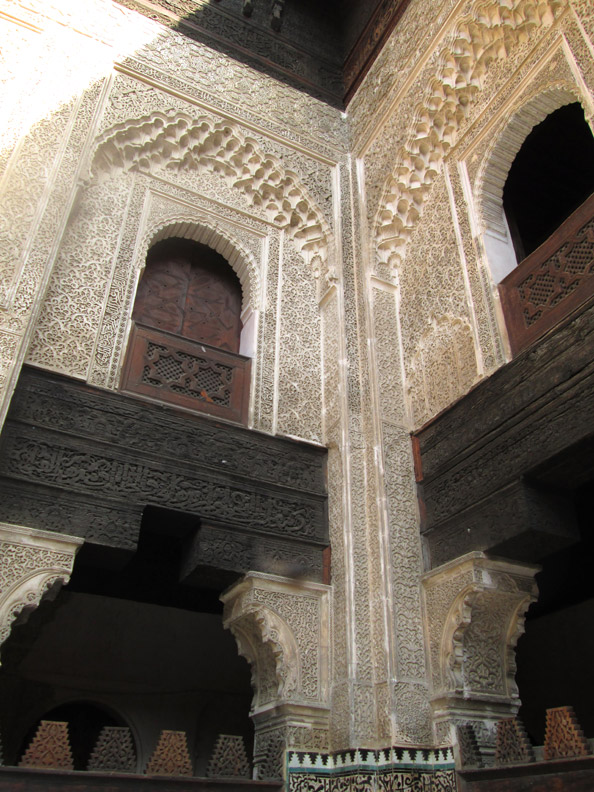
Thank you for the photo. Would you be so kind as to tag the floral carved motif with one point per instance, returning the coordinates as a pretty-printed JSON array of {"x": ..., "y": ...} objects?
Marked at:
[
  {"x": 281, "y": 628},
  {"x": 33, "y": 564},
  {"x": 487, "y": 34},
  {"x": 475, "y": 610},
  {"x": 273, "y": 619}
]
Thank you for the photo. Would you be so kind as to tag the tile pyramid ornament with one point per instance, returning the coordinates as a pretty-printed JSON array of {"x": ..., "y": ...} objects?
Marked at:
[
  {"x": 114, "y": 751},
  {"x": 171, "y": 756},
  {"x": 49, "y": 748},
  {"x": 229, "y": 758}
]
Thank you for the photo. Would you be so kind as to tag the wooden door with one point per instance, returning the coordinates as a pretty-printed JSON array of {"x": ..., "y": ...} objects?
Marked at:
[{"x": 190, "y": 290}]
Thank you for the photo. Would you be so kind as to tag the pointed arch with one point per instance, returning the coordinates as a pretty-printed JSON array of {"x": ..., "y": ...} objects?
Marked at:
[
  {"x": 485, "y": 35},
  {"x": 188, "y": 227},
  {"x": 493, "y": 174},
  {"x": 167, "y": 143},
  {"x": 33, "y": 565}
]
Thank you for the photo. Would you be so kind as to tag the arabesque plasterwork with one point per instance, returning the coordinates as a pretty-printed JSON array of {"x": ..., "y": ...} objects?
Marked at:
[
  {"x": 33, "y": 566},
  {"x": 282, "y": 627},
  {"x": 360, "y": 243},
  {"x": 474, "y": 610}
]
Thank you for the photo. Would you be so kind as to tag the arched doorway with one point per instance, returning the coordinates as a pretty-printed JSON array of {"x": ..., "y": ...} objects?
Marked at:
[
  {"x": 184, "y": 346},
  {"x": 548, "y": 198},
  {"x": 551, "y": 176}
]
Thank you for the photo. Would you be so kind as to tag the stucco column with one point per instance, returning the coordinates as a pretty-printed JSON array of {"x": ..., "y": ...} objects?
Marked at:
[
  {"x": 474, "y": 615},
  {"x": 33, "y": 565},
  {"x": 282, "y": 628}
]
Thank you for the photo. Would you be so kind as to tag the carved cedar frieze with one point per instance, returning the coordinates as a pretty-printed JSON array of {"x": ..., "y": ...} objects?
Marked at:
[
  {"x": 111, "y": 525},
  {"x": 522, "y": 421},
  {"x": 87, "y": 446},
  {"x": 66, "y": 406}
]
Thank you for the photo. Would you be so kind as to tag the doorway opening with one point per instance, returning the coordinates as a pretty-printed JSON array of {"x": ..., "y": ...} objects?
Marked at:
[
  {"x": 551, "y": 176},
  {"x": 556, "y": 652}
]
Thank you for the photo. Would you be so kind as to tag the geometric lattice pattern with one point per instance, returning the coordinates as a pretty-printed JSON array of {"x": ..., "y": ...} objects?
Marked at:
[
  {"x": 512, "y": 743},
  {"x": 188, "y": 375},
  {"x": 229, "y": 759},
  {"x": 558, "y": 276},
  {"x": 470, "y": 755},
  {"x": 49, "y": 748},
  {"x": 563, "y": 735},
  {"x": 171, "y": 756},
  {"x": 114, "y": 751}
]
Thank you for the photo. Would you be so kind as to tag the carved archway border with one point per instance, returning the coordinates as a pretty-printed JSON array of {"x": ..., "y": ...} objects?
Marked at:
[
  {"x": 486, "y": 34},
  {"x": 267, "y": 643},
  {"x": 191, "y": 226},
  {"x": 164, "y": 143},
  {"x": 513, "y": 130},
  {"x": 33, "y": 565}
]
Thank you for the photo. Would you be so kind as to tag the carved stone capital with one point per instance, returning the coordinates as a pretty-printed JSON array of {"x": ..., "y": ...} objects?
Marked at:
[
  {"x": 474, "y": 615},
  {"x": 33, "y": 564},
  {"x": 282, "y": 628}
]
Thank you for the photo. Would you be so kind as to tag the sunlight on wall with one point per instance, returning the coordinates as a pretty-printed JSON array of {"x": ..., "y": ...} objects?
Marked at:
[{"x": 53, "y": 51}]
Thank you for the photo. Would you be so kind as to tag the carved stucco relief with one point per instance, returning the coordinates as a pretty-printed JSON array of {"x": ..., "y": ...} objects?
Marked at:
[
  {"x": 33, "y": 564},
  {"x": 439, "y": 275},
  {"x": 474, "y": 615},
  {"x": 282, "y": 627},
  {"x": 103, "y": 252}
]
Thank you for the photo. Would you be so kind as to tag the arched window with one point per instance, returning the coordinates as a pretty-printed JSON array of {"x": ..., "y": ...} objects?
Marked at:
[
  {"x": 184, "y": 347},
  {"x": 551, "y": 176},
  {"x": 548, "y": 200}
]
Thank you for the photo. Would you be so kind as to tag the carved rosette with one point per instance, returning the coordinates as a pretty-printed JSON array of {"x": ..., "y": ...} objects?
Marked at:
[
  {"x": 33, "y": 564},
  {"x": 474, "y": 614},
  {"x": 282, "y": 628}
]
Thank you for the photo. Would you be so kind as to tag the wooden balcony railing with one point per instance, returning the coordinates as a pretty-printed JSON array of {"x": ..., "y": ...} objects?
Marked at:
[
  {"x": 187, "y": 373},
  {"x": 551, "y": 282}
]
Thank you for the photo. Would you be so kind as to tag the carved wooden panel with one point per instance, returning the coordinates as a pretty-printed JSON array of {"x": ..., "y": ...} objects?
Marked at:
[
  {"x": 86, "y": 461},
  {"x": 190, "y": 290},
  {"x": 162, "y": 294},
  {"x": 188, "y": 373},
  {"x": 550, "y": 283},
  {"x": 213, "y": 306}
]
